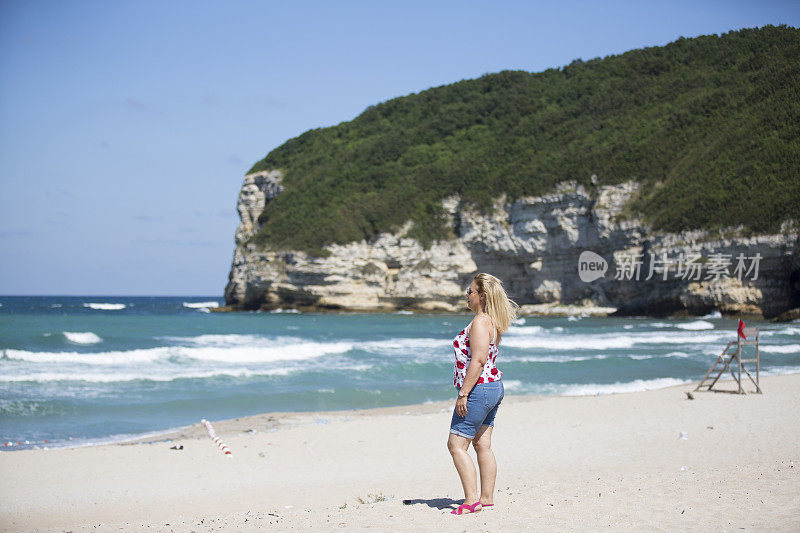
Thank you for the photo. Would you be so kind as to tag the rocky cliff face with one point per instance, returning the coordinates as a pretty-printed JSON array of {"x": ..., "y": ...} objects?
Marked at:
[{"x": 534, "y": 245}]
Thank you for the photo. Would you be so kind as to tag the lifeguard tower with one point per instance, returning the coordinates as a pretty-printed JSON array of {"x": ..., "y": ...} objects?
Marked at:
[{"x": 732, "y": 359}]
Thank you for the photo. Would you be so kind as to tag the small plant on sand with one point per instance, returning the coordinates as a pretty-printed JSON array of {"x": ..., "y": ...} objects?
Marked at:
[{"x": 374, "y": 498}]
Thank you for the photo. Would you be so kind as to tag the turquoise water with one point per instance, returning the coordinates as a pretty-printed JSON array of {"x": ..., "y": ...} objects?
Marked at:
[{"x": 80, "y": 368}]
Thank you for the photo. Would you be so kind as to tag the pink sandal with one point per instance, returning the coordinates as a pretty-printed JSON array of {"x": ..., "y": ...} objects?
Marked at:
[{"x": 469, "y": 508}]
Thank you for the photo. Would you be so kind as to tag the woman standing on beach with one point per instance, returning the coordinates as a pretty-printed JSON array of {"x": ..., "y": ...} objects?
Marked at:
[{"x": 480, "y": 389}]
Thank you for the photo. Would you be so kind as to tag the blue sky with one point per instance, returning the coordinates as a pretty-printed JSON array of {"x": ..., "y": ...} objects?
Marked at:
[{"x": 126, "y": 127}]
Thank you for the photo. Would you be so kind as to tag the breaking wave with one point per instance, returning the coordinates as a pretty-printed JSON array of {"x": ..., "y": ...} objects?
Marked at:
[
  {"x": 105, "y": 306},
  {"x": 200, "y": 305},
  {"x": 82, "y": 338}
]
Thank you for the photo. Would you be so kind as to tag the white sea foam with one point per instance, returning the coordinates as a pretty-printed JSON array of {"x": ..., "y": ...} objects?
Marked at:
[
  {"x": 684, "y": 338},
  {"x": 224, "y": 341},
  {"x": 713, "y": 351},
  {"x": 552, "y": 358},
  {"x": 779, "y": 348},
  {"x": 607, "y": 341},
  {"x": 697, "y": 325},
  {"x": 512, "y": 384},
  {"x": 404, "y": 312},
  {"x": 113, "y": 377},
  {"x": 781, "y": 370},
  {"x": 200, "y": 305},
  {"x": 656, "y": 356},
  {"x": 281, "y": 310},
  {"x": 55, "y": 305},
  {"x": 404, "y": 345},
  {"x": 105, "y": 306},
  {"x": 525, "y": 330},
  {"x": 611, "y": 388},
  {"x": 263, "y": 354},
  {"x": 576, "y": 342},
  {"x": 281, "y": 349},
  {"x": 627, "y": 326},
  {"x": 353, "y": 368},
  {"x": 519, "y": 321},
  {"x": 238, "y": 348},
  {"x": 676, "y": 354},
  {"x": 242, "y": 348},
  {"x": 788, "y": 330},
  {"x": 712, "y": 315},
  {"x": 590, "y": 389},
  {"x": 285, "y": 349},
  {"x": 99, "y": 358},
  {"x": 82, "y": 337}
]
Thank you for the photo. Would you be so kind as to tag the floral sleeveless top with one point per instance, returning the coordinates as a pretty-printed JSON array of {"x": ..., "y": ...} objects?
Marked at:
[{"x": 463, "y": 355}]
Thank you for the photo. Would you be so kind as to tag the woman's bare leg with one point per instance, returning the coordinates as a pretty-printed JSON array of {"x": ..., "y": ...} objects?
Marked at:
[
  {"x": 486, "y": 462},
  {"x": 458, "y": 447}
]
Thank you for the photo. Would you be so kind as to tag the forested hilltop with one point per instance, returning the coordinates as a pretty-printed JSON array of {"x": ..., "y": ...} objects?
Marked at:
[{"x": 710, "y": 125}]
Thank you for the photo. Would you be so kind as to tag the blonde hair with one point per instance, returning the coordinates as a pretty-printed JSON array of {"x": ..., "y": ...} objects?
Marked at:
[{"x": 498, "y": 306}]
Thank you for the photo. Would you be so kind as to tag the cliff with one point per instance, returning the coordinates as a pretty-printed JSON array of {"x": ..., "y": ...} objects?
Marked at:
[
  {"x": 658, "y": 181},
  {"x": 533, "y": 244}
]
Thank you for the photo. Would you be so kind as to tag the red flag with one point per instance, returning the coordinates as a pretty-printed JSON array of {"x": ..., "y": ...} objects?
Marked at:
[{"x": 740, "y": 331}]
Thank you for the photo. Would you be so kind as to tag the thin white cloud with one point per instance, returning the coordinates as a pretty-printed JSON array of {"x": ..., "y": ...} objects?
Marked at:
[
  {"x": 135, "y": 103},
  {"x": 219, "y": 213},
  {"x": 175, "y": 242},
  {"x": 235, "y": 160},
  {"x": 15, "y": 233}
]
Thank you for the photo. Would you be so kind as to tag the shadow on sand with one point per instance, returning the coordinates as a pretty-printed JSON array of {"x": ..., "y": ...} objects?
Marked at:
[{"x": 436, "y": 503}]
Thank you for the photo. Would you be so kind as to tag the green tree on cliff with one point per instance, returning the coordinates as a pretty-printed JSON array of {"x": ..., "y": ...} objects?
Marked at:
[{"x": 709, "y": 125}]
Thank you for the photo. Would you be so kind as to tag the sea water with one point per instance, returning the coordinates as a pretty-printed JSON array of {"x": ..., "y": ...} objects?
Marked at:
[{"x": 79, "y": 369}]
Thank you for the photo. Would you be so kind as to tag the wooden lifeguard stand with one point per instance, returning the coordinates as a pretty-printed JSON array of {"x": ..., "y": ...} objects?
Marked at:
[{"x": 731, "y": 359}]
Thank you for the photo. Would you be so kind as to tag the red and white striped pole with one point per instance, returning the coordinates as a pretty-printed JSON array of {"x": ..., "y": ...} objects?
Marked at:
[{"x": 218, "y": 441}]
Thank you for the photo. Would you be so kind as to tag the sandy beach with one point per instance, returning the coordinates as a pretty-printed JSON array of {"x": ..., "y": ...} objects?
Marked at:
[{"x": 565, "y": 463}]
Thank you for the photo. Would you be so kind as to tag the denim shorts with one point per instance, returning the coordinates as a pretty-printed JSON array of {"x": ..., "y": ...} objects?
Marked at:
[{"x": 482, "y": 403}]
